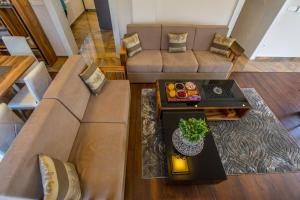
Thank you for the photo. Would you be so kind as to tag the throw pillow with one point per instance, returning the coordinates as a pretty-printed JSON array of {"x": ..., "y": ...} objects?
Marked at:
[
  {"x": 177, "y": 42},
  {"x": 60, "y": 179},
  {"x": 93, "y": 78},
  {"x": 221, "y": 45},
  {"x": 132, "y": 44}
]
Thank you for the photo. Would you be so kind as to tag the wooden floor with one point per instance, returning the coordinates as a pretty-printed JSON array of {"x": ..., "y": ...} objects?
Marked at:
[{"x": 281, "y": 91}]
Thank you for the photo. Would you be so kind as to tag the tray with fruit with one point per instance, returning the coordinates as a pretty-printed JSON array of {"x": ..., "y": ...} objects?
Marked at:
[{"x": 182, "y": 92}]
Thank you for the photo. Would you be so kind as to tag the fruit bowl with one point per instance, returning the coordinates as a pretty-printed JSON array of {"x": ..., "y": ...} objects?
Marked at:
[{"x": 181, "y": 94}]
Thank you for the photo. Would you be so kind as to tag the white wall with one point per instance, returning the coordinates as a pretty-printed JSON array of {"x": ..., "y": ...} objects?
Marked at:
[
  {"x": 283, "y": 37},
  {"x": 184, "y": 11},
  {"x": 212, "y": 12},
  {"x": 255, "y": 19},
  {"x": 56, "y": 26},
  {"x": 89, "y": 4},
  {"x": 74, "y": 8},
  {"x": 120, "y": 11}
]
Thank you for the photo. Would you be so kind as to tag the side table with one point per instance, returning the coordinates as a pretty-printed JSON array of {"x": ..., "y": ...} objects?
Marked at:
[{"x": 114, "y": 72}]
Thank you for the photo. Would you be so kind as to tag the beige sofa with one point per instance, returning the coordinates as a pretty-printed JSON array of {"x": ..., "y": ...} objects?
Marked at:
[
  {"x": 72, "y": 125},
  {"x": 155, "y": 62}
]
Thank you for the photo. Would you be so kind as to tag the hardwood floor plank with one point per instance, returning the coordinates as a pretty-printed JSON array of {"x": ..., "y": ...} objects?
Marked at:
[{"x": 281, "y": 92}]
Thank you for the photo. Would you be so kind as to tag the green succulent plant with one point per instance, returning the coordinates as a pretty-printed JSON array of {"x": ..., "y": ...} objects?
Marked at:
[{"x": 193, "y": 129}]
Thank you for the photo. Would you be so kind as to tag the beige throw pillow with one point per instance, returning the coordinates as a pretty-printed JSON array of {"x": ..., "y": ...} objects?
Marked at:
[
  {"x": 221, "y": 45},
  {"x": 132, "y": 44},
  {"x": 177, "y": 42},
  {"x": 93, "y": 78},
  {"x": 60, "y": 179}
]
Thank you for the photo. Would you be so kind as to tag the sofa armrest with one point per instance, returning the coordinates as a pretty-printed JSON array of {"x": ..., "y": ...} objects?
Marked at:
[
  {"x": 237, "y": 50},
  {"x": 123, "y": 55}
]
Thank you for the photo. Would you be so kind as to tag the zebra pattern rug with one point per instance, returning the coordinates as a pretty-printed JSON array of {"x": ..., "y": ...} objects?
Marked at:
[{"x": 257, "y": 143}]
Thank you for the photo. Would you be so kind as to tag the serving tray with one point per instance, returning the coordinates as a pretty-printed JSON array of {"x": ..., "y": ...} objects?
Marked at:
[{"x": 192, "y": 95}]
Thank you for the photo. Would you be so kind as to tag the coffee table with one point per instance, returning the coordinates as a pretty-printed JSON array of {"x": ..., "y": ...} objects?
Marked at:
[
  {"x": 202, "y": 168},
  {"x": 231, "y": 104}
]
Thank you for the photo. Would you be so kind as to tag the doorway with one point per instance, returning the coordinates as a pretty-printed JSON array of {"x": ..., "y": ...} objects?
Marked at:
[{"x": 95, "y": 36}]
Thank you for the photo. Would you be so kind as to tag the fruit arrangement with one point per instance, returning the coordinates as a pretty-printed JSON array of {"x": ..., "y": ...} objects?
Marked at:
[{"x": 186, "y": 91}]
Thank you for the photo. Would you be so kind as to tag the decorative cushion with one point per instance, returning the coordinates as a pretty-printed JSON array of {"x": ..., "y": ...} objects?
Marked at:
[
  {"x": 177, "y": 42},
  {"x": 221, "y": 45},
  {"x": 211, "y": 62},
  {"x": 93, "y": 78},
  {"x": 177, "y": 28},
  {"x": 205, "y": 35},
  {"x": 148, "y": 61},
  {"x": 184, "y": 62},
  {"x": 60, "y": 179},
  {"x": 132, "y": 44}
]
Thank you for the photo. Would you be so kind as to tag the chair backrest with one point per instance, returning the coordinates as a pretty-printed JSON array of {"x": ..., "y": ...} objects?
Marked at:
[
  {"x": 17, "y": 46},
  {"x": 10, "y": 125},
  {"x": 37, "y": 81}
]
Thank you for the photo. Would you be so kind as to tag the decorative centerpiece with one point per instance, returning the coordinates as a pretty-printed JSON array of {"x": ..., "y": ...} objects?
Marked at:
[{"x": 188, "y": 139}]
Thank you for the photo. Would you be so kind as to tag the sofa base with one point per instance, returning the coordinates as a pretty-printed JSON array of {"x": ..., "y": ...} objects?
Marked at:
[{"x": 152, "y": 77}]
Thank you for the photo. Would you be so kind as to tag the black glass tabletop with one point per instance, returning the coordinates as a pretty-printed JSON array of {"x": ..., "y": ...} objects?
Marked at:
[
  {"x": 204, "y": 167},
  {"x": 219, "y": 93}
]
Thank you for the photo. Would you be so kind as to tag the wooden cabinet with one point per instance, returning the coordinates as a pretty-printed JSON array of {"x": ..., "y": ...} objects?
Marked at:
[{"x": 18, "y": 19}]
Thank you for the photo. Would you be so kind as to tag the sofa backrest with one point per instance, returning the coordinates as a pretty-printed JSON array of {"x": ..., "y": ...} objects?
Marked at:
[
  {"x": 149, "y": 34},
  {"x": 205, "y": 34},
  {"x": 50, "y": 130},
  {"x": 175, "y": 28},
  {"x": 68, "y": 88}
]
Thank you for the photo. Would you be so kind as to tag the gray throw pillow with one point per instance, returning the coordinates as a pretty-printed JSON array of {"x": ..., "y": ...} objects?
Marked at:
[
  {"x": 132, "y": 44},
  {"x": 93, "y": 78},
  {"x": 177, "y": 42},
  {"x": 60, "y": 179},
  {"x": 221, "y": 45}
]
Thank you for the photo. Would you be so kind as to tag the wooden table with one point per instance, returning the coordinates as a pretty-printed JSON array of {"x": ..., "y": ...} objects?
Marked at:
[
  {"x": 11, "y": 69},
  {"x": 230, "y": 104}
]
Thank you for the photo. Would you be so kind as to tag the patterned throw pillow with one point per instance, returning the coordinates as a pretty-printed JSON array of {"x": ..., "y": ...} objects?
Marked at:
[
  {"x": 177, "y": 42},
  {"x": 221, "y": 45},
  {"x": 93, "y": 78},
  {"x": 60, "y": 179},
  {"x": 132, "y": 44}
]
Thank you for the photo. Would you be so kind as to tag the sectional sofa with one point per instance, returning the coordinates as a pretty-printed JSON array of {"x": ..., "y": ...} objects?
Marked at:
[
  {"x": 155, "y": 62},
  {"x": 72, "y": 125}
]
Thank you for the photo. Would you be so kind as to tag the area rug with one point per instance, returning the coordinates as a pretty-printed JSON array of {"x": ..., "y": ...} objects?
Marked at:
[{"x": 257, "y": 143}]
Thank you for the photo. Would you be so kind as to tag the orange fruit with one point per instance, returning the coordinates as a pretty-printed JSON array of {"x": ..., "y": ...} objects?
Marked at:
[
  {"x": 172, "y": 93},
  {"x": 171, "y": 86}
]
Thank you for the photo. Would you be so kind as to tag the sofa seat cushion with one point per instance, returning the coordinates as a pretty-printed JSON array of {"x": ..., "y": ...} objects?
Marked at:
[
  {"x": 111, "y": 105},
  {"x": 146, "y": 61},
  {"x": 211, "y": 62},
  {"x": 99, "y": 154},
  {"x": 179, "y": 62}
]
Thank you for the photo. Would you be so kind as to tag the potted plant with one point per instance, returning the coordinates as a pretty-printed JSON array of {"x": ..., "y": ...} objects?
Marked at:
[{"x": 188, "y": 139}]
